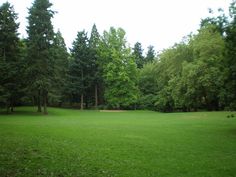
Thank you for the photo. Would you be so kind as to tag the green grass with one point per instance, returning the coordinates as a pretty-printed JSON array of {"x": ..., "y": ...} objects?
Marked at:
[{"x": 126, "y": 144}]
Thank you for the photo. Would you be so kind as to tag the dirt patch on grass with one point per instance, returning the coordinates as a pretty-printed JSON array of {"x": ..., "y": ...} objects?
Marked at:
[{"x": 112, "y": 111}]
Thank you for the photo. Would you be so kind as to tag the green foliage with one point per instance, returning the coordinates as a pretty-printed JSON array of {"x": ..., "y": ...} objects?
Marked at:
[
  {"x": 147, "y": 86},
  {"x": 60, "y": 67},
  {"x": 119, "y": 70},
  {"x": 102, "y": 71},
  {"x": 150, "y": 54},
  {"x": 85, "y": 77},
  {"x": 79, "y": 71},
  {"x": 9, "y": 40},
  {"x": 95, "y": 70},
  {"x": 209, "y": 47},
  {"x": 94, "y": 42},
  {"x": 189, "y": 75},
  {"x": 138, "y": 54},
  {"x": 9, "y": 57},
  {"x": 231, "y": 57},
  {"x": 40, "y": 45}
]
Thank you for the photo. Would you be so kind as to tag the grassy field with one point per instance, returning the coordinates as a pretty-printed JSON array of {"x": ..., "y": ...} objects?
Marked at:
[{"x": 126, "y": 144}]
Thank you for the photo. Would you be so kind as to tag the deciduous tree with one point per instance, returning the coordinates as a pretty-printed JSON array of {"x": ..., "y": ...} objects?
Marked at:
[{"x": 119, "y": 70}]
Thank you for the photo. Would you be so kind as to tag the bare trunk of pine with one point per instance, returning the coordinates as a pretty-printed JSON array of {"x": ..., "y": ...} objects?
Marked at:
[
  {"x": 33, "y": 100},
  {"x": 82, "y": 95},
  {"x": 8, "y": 109},
  {"x": 4, "y": 54},
  {"x": 45, "y": 111},
  {"x": 12, "y": 107},
  {"x": 82, "y": 102},
  {"x": 8, "y": 106},
  {"x": 96, "y": 96},
  {"x": 39, "y": 102}
]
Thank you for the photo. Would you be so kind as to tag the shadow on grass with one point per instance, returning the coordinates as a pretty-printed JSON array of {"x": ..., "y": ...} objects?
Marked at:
[
  {"x": 232, "y": 131},
  {"x": 24, "y": 111}
]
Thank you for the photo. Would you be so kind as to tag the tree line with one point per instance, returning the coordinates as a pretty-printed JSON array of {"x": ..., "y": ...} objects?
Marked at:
[{"x": 104, "y": 72}]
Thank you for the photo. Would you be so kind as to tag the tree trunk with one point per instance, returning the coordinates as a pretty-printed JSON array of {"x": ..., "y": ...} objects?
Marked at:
[
  {"x": 86, "y": 102},
  {"x": 82, "y": 102},
  {"x": 96, "y": 96},
  {"x": 4, "y": 54},
  {"x": 8, "y": 109},
  {"x": 12, "y": 108},
  {"x": 82, "y": 95},
  {"x": 33, "y": 100},
  {"x": 39, "y": 102},
  {"x": 45, "y": 111}
]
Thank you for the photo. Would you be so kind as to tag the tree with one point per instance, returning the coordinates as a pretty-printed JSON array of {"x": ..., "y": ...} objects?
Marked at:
[
  {"x": 40, "y": 44},
  {"x": 231, "y": 57},
  {"x": 95, "y": 70},
  {"x": 220, "y": 22},
  {"x": 79, "y": 70},
  {"x": 150, "y": 54},
  {"x": 209, "y": 47},
  {"x": 168, "y": 72},
  {"x": 60, "y": 55},
  {"x": 147, "y": 82},
  {"x": 119, "y": 70},
  {"x": 189, "y": 75},
  {"x": 9, "y": 56},
  {"x": 203, "y": 78},
  {"x": 138, "y": 55}
]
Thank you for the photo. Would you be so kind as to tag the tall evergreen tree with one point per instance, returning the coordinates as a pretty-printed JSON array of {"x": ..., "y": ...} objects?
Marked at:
[
  {"x": 61, "y": 56},
  {"x": 40, "y": 42},
  {"x": 79, "y": 76},
  {"x": 94, "y": 66},
  {"x": 138, "y": 55},
  {"x": 9, "y": 56},
  {"x": 150, "y": 54}
]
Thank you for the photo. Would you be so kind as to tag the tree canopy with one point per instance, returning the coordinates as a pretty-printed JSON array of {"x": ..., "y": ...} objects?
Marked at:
[
  {"x": 9, "y": 57},
  {"x": 102, "y": 71}
]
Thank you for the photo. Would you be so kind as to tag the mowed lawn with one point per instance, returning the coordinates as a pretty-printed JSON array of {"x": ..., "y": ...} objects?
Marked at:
[{"x": 71, "y": 143}]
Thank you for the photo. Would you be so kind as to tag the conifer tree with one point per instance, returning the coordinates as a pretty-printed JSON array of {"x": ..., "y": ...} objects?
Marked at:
[
  {"x": 150, "y": 54},
  {"x": 94, "y": 60},
  {"x": 79, "y": 76},
  {"x": 138, "y": 55},
  {"x": 40, "y": 42},
  {"x": 9, "y": 56},
  {"x": 61, "y": 56}
]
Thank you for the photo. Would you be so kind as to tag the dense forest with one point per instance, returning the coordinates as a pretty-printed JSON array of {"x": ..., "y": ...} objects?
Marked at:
[{"x": 102, "y": 71}]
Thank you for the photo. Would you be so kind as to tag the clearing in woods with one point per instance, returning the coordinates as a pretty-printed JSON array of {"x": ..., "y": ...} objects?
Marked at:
[{"x": 131, "y": 143}]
